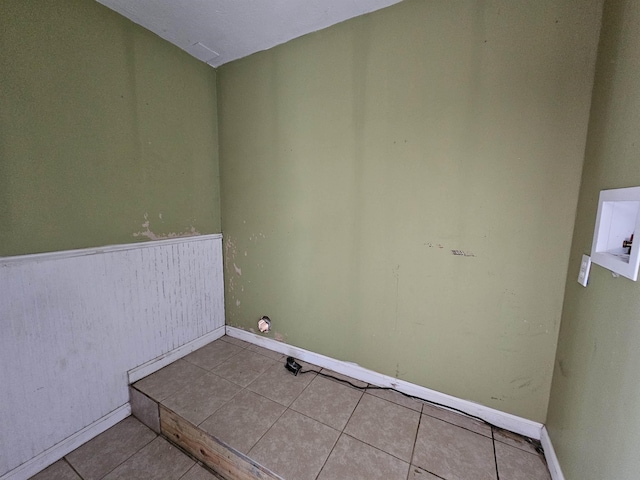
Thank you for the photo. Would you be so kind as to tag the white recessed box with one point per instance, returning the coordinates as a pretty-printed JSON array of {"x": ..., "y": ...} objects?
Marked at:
[{"x": 617, "y": 221}]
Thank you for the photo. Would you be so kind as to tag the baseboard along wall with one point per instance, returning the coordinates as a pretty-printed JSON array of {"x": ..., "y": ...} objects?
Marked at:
[{"x": 513, "y": 423}]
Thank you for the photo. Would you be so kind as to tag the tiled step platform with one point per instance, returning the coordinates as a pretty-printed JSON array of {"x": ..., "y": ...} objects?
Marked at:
[{"x": 233, "y": 406}]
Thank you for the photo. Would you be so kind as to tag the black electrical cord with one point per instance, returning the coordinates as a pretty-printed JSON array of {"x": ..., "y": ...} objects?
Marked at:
[
  {"x": 538, "y": 448},
  {"x": 374, "y": 387}
]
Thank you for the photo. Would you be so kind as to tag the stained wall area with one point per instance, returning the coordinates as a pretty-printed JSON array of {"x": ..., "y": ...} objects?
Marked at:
[
  {"x": 355, "y": 160},
  {"x": 594, "y": 409},
  {"x": 108, "y": 134}
]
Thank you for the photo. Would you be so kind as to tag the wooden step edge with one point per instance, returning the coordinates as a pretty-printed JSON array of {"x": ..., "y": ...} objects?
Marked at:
[{"x": 215, "y": 454}]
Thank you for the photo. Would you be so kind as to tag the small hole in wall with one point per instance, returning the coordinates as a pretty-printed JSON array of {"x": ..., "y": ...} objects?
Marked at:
[{"x": 264, "y": 324}]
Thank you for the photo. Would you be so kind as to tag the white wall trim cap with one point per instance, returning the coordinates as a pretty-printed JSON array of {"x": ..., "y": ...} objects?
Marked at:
[{"x": 81, "y": 252}]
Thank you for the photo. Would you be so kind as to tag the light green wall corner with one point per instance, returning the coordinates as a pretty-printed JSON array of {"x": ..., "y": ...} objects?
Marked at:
[
  {"x": 108, "y": 134},
  {"x": 354, "y": 160},
  {"x": 594, "y": 410}
]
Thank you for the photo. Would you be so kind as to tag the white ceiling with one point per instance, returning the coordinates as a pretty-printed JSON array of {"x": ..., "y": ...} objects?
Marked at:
[{"x": 218, "y": 31}]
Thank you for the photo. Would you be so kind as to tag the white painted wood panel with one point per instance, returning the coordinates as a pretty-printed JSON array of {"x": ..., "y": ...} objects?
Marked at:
[{"x": 74, "y": 323}]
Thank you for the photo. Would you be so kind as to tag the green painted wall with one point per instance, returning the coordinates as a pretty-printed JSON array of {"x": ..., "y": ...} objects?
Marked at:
[
  {"x": 594, "y": 410},
  {"x": 103, "y": 127},
  {"x": 354, "y": 160}
]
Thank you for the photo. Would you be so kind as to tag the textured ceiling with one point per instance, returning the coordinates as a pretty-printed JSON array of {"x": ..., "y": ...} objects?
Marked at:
[{"x": 218, "y": 31}]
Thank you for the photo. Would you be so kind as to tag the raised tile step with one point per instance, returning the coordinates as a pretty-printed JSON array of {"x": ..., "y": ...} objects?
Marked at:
[
  {"x": 233, "y": 406},
  {"x": 226, "y": 461}
]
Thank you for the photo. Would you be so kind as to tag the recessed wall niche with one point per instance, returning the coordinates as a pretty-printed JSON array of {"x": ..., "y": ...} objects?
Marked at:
[{"x": 617, "y": 222}]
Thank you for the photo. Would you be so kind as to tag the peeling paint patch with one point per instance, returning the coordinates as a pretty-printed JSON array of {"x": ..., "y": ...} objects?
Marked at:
[
  {"x": 161, "y": 236},
  {"x": 237, "y": 303},
  {"x": 279, "y": 337},
  {"x": 237, "y": 269}
]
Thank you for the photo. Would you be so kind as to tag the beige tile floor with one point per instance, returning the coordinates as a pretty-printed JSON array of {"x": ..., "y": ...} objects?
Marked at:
[
  {"x": 127, "y": 451},
  {"x": 304, "y": 427}
]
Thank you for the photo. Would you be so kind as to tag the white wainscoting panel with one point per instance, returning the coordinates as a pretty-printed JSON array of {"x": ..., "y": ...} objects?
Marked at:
[{"x": 74, "y": 323}]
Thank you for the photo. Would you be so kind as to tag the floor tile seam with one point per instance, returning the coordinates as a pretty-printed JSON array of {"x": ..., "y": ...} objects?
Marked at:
[
  {"x": 329, "y": 456},
  {"x": 341, "y": 430},
  {"x": 397, "y": 391},
  {"x": 253, "y": 380},
  {"x": 65, "y": 459},
  {"x": 316, "y": 420},
  {"x": 176, "y": 391},
  {"x": 264, "y": 396},
  {"x": 415, "y": 440},
  {"x": 129, "y": 457},
  {"x": 217, "y": 408},
  {"x": 353, "y": 411},
  {"x": 309, "y": 384},
  {"x": 228, "y": 358},
  {"x": 365, "y": 442},
  {"x": 394, "y": 403},
  {"x": 303, "y": 390},
  {"x": 424, "y": 402},
  {"x": 161, "y": 402},
  {"x": 536, "y": 454},
  {"x": 245, "y": 345},
  {"x": 267, "y": 431},
  {"x": 306, "y": 416},
  {"x": 464, "y": 428},
  {"x": 377, "y": 448},
  {"x": 185, "y": 452},
  {"x": 428, "y": 471},
  {"x": 133, "y": 385},
  {"x": 189, "y": 455},
  {"x": 267, "y": 370},
  {"x": 495, "y": 456}
]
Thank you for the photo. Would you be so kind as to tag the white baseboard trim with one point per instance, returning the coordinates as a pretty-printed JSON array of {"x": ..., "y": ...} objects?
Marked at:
[
  {"x": 550, "y": 455},
  {"x": 68, "y": 445},
  {"x": 157, "y": 363},
  {"x": 500, "y": 419}
]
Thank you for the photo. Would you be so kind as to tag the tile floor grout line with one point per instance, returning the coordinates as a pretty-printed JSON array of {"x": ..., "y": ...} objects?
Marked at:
[
  {"x": 536, "y": 453},
  {"x": 366, "y": 443},
  {"x": 327, "y": 459},
  {"x": 415, "y": 440},
  {"x": 286, "y": 407},
  {"x": 220, "y": 407},
  {"x": 342, "y": 430},
  {"x": 360, "y": 440},
  {"x": 134, "y": 453},
  {"x": 464, "y": 428},
  {"x": 377, "y": 448},
  {"x": 262, "y": 436},
  {"x": 514, "y": 446},
  {"x": 495, "y": 457},
  {"x": 65, "y": 459}
]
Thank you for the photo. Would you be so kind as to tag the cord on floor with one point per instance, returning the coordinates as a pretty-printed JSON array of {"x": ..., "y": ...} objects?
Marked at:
[{"x": 536, "y": 445}]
